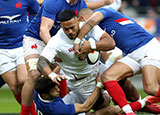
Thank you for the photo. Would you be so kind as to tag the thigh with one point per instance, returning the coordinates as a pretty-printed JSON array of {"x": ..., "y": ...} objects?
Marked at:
[
  {"x": 117, "y": 71},
  {"x": 10, "y": 78},
  {"x": 32, "y": 46}
]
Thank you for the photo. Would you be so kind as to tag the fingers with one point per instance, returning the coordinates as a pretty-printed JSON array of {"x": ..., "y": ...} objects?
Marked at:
[
  {"x": 77, "y": 49},
  {"x": 59, "y": 78}
]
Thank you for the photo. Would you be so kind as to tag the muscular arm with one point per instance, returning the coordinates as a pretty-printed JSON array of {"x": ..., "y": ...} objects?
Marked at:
[
  {"x": 90, "y": 101},
  {"x": 46, "y": 25},
  {"x": 92, "y": 21},
  {"x": 97, "y": 4},
  {"x": 43, "y": 66}
]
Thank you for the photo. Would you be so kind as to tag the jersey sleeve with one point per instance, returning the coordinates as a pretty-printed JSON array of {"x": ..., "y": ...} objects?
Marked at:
[
  {"x": 105, "y": 11},
  {"x": 51, "y": 8},
  {"x": 33, "y": 6},
  {"x": 50, "y": 51},
  {"x": 97, "y": 32}
]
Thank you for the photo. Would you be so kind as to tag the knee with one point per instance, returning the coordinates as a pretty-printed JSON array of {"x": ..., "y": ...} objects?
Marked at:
[
  {"x": 34, "y": 74},
  {"x": 150, "y": 89},
  {"x": 107, "y": 76}
]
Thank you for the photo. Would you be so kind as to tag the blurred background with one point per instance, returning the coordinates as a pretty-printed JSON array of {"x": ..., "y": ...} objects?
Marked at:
[{"x": 145, "y": 12}]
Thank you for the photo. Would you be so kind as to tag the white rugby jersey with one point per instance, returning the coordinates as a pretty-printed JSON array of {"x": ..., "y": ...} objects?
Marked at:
[{"x": 62, "y": 46}]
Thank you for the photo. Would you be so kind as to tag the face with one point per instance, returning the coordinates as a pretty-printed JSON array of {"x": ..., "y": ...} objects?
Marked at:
[
  {"x": 71, "y": 28},
  {"x": 72, "y": 2},
  {"x": 54, "y": 92}
]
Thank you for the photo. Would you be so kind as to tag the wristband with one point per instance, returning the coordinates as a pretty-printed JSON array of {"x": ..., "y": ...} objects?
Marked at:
[
  {"x": 100, "y": 85},
  {"x": 52, "y": 75},
  {"x": 93, "y": 44},
  {"x": 77, "y": 41}
]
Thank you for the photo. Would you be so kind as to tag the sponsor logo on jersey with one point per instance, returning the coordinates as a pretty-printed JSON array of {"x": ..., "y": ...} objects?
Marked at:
[
  {"x": 19, "y": 5},
  {"x": 9, "y": 19},
  {"x": 124, "y": 21}
]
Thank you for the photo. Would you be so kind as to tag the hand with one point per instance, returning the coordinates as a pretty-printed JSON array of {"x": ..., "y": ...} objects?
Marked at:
[
  {"x": 58, "y": 78},
  {"x": 85, "y": 48},
  {"x": 77, "y": 49}
]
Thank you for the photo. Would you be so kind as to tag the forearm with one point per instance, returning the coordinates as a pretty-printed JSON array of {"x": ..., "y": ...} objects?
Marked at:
[
  {"x": 105, "y": 44},
  {"x": 90, "y": 23},
  {"x": 90, "y": 101},
  {"x": 46, "y": 26},
  {"x": 43, "y": 66},
  {"x": 45, "y": 35},
  {"x": 97, "y": 4}
]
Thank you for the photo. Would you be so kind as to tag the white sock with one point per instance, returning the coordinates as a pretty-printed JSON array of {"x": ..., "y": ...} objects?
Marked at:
[
  {"x": 127, "y": 109},
  {"x": 143, "y": 102}
]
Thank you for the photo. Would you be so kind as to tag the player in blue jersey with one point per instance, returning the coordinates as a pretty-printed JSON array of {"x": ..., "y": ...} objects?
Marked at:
[
  {"x": 142, "y": 49},
  {"x": 43, "y": 26},
  {"x": 48, "y": 101},
  {"x": 13, "y": 23}
]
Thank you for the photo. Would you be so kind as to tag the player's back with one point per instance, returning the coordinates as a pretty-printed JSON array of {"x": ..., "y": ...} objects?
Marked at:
[{"x": 127, "y": 34}]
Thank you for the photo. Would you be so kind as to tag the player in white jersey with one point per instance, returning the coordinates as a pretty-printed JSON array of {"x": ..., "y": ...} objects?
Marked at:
[
  {"x": 79, "y": 74},
  {"x": 44, "y": 25}
]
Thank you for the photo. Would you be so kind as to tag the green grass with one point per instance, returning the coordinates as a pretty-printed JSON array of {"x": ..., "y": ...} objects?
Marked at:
[{"x": 9, "y": 105}]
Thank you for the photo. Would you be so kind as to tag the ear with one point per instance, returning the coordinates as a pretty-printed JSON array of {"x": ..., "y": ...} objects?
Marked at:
[{"x": 81, "y": 19}]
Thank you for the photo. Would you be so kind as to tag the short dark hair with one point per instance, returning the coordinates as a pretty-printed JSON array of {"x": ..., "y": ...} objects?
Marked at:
[
  {"x": 67, "y": 15},
  {"x": 44, "y": 85}
]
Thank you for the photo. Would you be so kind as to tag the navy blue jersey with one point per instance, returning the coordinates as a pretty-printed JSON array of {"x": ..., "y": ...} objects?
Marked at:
[
  {"x": 52, "y": 9},
  {"x": 54, "y": 107},
  {"x": 13, "y": 21},
  {"x": 127, "y": 34}
]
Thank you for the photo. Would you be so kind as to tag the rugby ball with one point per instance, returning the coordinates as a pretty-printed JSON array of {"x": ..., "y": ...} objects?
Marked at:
[{"x": 93, "y": 56}]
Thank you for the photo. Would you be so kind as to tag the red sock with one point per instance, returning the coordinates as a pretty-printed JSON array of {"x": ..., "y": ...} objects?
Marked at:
[
  {"x": 63, "y": 88},
  {"x": 135, "y": 105},
  {"x": 116, "y": 92},
  {"x": 33, "y": 109},
  {"x": 18, "y": 98},
  {"x": 158, "y": 94},
  {"x": 25, "y": 110}
]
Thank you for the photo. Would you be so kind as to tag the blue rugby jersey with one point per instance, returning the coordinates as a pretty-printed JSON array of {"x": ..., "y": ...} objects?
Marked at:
[
  {"x": 54, "y": 107},
  {"x": 52, "y": 9},
  {"x": 127, "y": 34},
  {"x": 13, "y": 21}
]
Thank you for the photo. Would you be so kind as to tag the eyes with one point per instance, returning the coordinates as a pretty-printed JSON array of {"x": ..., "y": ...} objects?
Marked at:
[{"x": 70, "y": 28}]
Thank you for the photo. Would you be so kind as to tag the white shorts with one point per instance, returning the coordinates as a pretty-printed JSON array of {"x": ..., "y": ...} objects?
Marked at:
[
  {"x": 148, "y": 54},
  {"x": 10, "y": 58},
  {"x": 32, "y": 46}
]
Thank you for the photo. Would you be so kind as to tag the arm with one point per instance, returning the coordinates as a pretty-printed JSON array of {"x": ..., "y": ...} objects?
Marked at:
[
  {"x": 44, "y": 68},
  {"x": 104, "y": 44},
  {"x": 90, "y": 23},
  {"x": 91, "y": 100},
  {"x": 87, "y": 105},
  {"x": 46, "y": 25},
  {"x": 97, "y": 4}
]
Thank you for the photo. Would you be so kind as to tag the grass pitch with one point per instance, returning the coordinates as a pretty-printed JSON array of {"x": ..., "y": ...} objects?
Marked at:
[{"x": 9, "y": 106}]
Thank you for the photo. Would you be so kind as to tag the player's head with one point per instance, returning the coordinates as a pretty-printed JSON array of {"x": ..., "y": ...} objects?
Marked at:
[
  {"x": 71, "y": 2},
  {"x": 47, "y": 89},
  {"x": 84, "y": 14},
  {"x": 69, "y": 22}
]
